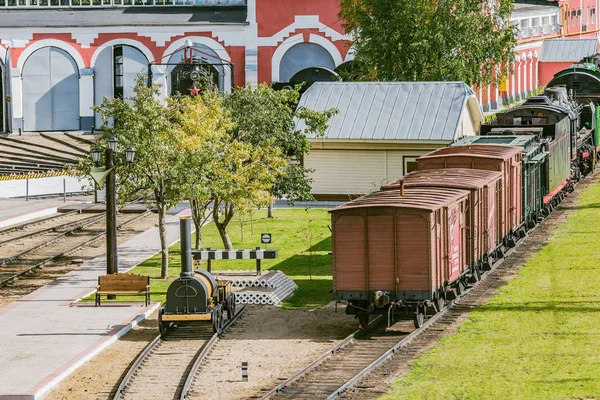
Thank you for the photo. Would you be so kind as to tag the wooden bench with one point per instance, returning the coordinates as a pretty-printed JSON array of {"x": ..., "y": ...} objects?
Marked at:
[{"x": 123, "y": 284}]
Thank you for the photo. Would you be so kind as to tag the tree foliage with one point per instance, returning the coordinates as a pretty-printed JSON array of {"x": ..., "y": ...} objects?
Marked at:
[
  {"x": 204, "y": 124},
  {"x": 145, "y": 123},
  {"x": 424, "y": 40},
  {"x": 263, "y": 115}
]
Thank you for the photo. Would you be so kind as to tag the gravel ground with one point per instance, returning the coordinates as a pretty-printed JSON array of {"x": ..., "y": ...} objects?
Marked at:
[
  {"x": 275, "y": 343},
  {"x": 52, "y": 271}
]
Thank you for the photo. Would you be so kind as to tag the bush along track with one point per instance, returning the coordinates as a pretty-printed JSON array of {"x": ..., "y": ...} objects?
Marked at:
[{"x": 536, "y": 338}]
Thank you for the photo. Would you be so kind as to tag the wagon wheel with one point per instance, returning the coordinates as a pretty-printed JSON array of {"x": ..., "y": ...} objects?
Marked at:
[
  {"x": 419, "y": 317},
  {"x": 439, "y": 303},
  {"x": 363, "y": 319},
  {"x": 231, "y": 306},
  {"x": 460, "y": 287}
]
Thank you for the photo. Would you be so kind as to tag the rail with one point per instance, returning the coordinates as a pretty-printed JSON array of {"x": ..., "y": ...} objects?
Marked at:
[
  {"x": 16, "y": 275},
  {"x": 318, "y": 360},
  {"x": 120, "y": 392}
]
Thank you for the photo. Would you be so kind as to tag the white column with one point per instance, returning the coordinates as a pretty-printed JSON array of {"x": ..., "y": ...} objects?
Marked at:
[
  {"x": 518, "y": 60},
  {"x": 86, "y": 98},
  {"x": 16, "y": 90},
  {"x": 251, "y": 68},
  {"x": 530, "y": 58},
  {"x": 512, "y": 83}
]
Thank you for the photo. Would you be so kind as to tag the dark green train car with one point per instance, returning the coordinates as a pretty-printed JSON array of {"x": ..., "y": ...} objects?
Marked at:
[
  {"x": 552, "y": 120},
  {"x": 534, "y": 167}
]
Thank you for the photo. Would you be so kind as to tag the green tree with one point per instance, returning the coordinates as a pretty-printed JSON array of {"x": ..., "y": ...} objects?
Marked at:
[
  {"x": 146, "y": 124},
  {"x": 425, "y": 40},
  {"x": 263, "y": 115},
  {"x": 247, "y": 174},
  {"x": 205, "y": 125}
]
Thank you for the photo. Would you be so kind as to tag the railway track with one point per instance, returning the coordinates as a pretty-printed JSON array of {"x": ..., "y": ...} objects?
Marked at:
[
  {"x": 5, "y": 233},
  {"x": 352, "y": 360},
  {"x": 19, "y": 264},
  {"x": 167, "y": 367}
]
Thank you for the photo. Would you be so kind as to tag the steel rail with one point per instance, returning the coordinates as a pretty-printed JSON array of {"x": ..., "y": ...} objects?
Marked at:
[
  {"x": 349, "y": 339},
  {"x": 36, "y": 222},
  {"x": 51, "y": 229},
  {"x": 45, "y": 243},
  {"x": 157, "y": 341},
  {"x": 16, "y": 275},
  {"x": 189, "y": 380}
]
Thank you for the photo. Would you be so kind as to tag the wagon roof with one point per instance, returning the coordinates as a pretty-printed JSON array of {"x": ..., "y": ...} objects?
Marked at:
[
  {"x": 459, "y": 178},
  {"x": 496, "y": 151},
  {"x": 429, "y": 199}
]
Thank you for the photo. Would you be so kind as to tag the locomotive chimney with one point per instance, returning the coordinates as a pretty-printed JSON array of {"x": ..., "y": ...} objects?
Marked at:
[
  {"x": 402, "y": 187},
  {"x": 185, "y": 230}
]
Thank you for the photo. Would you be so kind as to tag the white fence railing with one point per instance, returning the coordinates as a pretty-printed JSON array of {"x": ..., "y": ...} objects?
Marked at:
[
  {"x": 54, "y": 185},
  {"x": 36, "y": 4}
]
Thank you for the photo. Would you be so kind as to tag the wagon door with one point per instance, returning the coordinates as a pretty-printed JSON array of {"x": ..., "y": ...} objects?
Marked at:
[
  {"x": 454, "y": 240},
  {"x": 349, "y": 264},
  {"x": 417, "y": 254},
  {"x": 381, "y": 249}
]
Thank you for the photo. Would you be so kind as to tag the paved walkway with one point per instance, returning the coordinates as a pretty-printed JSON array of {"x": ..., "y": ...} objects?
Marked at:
[
  {"x": 46, "y": 335},
  {"x": 15, "y": 211}
]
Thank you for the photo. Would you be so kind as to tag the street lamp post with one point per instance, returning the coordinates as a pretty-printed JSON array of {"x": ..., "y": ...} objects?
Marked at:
[{"x": 112, "y": 266}]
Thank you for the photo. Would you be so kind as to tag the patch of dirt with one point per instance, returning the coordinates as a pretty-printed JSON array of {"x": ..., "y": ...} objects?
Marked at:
[
  {"x": 275, "y": 343},
  {"x": 379, "y": 381},
  {"x": 50, "y": 272}
]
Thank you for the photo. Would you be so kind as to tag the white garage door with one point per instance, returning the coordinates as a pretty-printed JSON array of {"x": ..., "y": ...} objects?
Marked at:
[
  {"x": 50, "y": 91},
  {"x": 352, "y": 171}
]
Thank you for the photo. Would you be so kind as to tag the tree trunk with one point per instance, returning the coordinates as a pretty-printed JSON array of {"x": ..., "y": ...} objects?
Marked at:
[
  {"x": 198, "y": 235},
  {"x": 222, "y": 225},
  {"x": 197, "y": 218},
  {"x": 162, "y": 230},
  {"x": 224, "y": 237},
  {"x": 270, "y": 211}
]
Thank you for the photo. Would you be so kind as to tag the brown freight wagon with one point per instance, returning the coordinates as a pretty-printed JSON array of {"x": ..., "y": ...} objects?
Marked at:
[
  {"x": 483, "y": 212},
  {"x": 399, "y": 248},
  {"x": 505, "y": 159}
]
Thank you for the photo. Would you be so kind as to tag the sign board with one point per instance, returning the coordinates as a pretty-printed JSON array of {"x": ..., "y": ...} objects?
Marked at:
[{"x": 265, "y": 238}]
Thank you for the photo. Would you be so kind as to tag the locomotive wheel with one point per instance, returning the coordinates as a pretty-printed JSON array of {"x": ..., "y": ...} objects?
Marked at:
[
  {"x": 221, "y": 318},
  {"x": 162, "y": 326},
  {"x": 419, "y": 317},
  {"x": 231, "y": 306},
  {"x": 214, "y": 318}
]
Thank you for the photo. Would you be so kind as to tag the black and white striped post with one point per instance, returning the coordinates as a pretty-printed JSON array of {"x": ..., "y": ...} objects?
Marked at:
[{"x": 208, "y": 254}]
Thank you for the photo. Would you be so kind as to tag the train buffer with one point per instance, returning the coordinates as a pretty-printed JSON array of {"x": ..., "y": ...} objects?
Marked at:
[{"x": 258, "y": 254}]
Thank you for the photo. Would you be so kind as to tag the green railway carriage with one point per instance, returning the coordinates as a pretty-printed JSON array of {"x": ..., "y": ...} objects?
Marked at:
[
  {"x": 582, "y": 81},
  {"x": 534, "y": 167},
  {"x": 555, "y": 121}
]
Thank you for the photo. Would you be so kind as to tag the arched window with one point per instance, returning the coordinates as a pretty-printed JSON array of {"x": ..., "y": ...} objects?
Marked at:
[{"x": 302, "y": 56}]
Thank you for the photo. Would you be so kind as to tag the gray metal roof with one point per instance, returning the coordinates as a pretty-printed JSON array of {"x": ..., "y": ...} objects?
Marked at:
[
  {"x": 390, "y": 110},
  {"x": 122, "y": 16},
  {"x": 567, "y": 49}
]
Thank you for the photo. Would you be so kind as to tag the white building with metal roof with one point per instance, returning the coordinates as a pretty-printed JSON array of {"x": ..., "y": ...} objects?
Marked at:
[{"x": 381, "y": 128}]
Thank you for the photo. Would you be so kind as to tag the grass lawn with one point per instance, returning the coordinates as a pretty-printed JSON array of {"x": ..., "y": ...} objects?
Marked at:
[
  {"x": 539, "y": 338},
  {"x": 295, "y": 232}
]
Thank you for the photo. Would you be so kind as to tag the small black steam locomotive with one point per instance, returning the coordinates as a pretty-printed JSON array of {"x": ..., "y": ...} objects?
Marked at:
[{"x": 196, "y": 295}]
